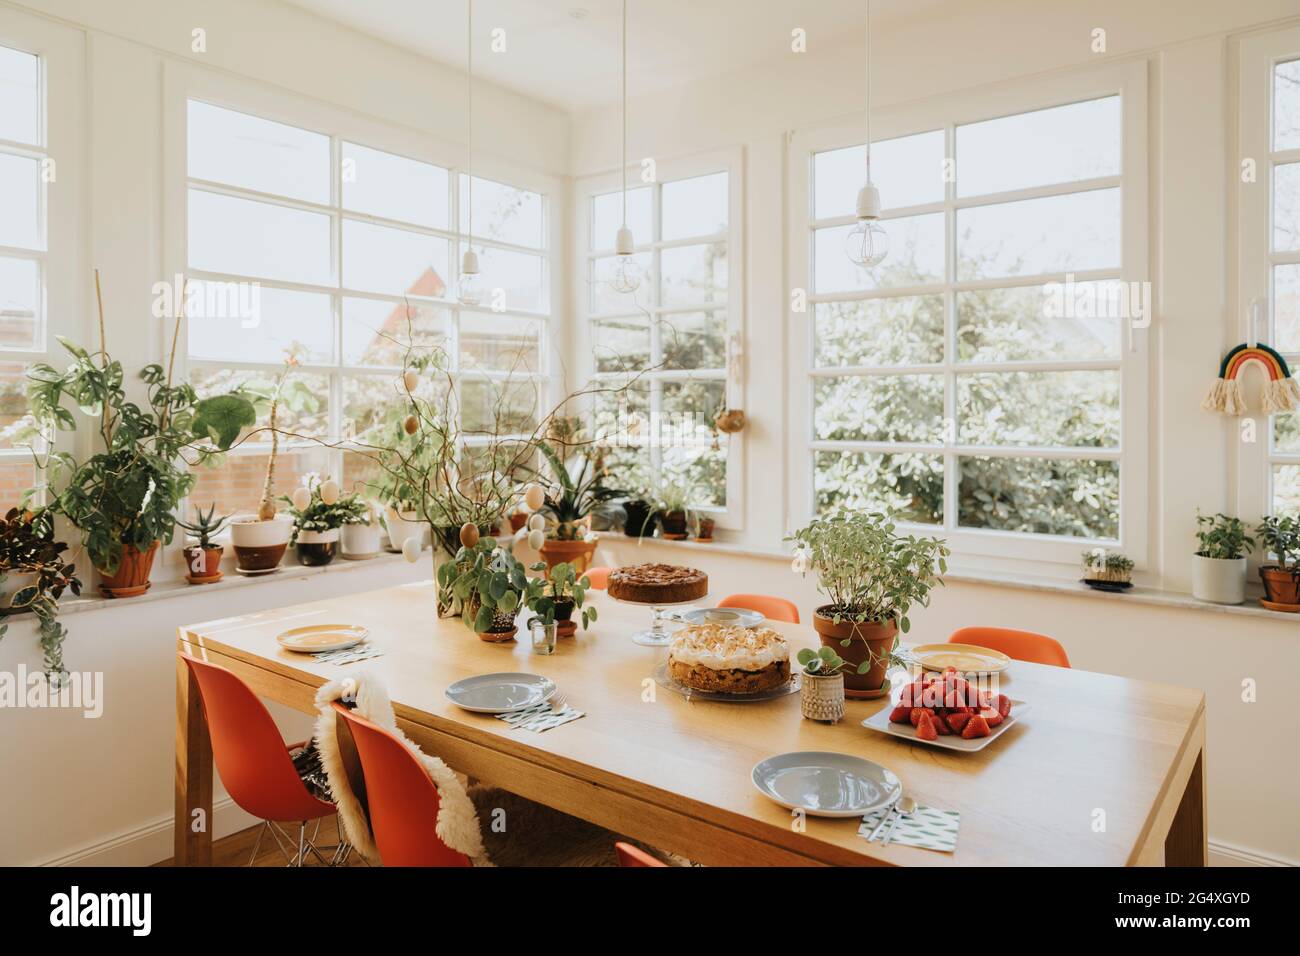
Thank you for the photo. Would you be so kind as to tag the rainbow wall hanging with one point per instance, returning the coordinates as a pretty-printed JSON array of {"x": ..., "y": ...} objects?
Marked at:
[{"x": 1281, "y": 393}]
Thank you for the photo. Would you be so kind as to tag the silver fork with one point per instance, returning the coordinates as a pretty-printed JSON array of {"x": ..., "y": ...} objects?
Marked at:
[
  {"x": 905, "y": 808},
  {"x": 558, "y": 701}
]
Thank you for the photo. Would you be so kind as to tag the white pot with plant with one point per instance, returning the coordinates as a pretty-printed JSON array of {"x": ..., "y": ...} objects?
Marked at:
[
  {"x": 821, "y": 689},
  {"x": 361, "y": 536},
  {"x": 261, "y": 539},
  {"x": 1219, "y": 564}
]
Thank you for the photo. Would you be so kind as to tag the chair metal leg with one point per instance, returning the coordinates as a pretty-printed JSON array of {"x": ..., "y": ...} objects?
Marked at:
[{"x": 257, "y": 844}]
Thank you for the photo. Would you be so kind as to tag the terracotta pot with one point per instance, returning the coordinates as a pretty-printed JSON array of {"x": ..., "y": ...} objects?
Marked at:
[
  {"x": 498, "y": 637},
  {"x": 259, "y": 545},
  {"x": 1281, "y": 586},
  {"x": 674, "y": 525},
  {"x": 203, "y": 564},
  {"x": 705, "y": 530},
  {"x": 132, "y": 575},
  {"x": 317, "y": 548},
  {"x": 517, "y": 520},
  {"x": 866, "y": 642},
  {"x": 577, "y": 553}
]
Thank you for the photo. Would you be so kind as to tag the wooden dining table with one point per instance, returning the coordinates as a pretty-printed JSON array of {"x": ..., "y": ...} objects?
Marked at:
[{"x": 1100, "y": 770}]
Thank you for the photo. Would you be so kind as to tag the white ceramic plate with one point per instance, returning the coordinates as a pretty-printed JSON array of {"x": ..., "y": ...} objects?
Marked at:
[
  {"x": 735, "y": 616},
  {"x": 500, "y": 693},
  {"x": 967, "y": 658},
  {"x": 880, "y": 721},
  {"x": 315, "y": 638},
  {"x": 824, "y": 784}
]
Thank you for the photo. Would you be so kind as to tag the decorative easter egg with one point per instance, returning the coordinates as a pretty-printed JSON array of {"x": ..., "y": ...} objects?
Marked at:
[
  {"x": 411, "y": 379},
  {"x": 329, "y": 492},
  {"x": 469, "y": 534},
  {"x": 536, "y": 539},
  {"x": 536, "y": 522},
  {"x": 411, "y": 548},
  {"x": 301, "y": 498},
  {"x": 534, "y": 497},
  {"x": 411, "y": 425}
]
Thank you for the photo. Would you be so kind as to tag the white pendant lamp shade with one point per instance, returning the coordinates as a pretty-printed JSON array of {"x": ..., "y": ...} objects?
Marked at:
[
  {"x": 468, "y": 291},
  {"x": 627, "y": 273},
  {"x": 867, "y": 243}
]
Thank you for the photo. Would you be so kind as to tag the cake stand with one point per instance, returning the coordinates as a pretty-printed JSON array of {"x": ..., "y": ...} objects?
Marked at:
[
  {"x": 666, "y": 681},
  {"x": 655, "y": 635}
]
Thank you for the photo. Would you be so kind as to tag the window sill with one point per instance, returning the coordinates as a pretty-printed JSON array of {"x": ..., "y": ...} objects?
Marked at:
[
  {"x": 1139, "y": 594},
  {"x": 180, "y": 588}
]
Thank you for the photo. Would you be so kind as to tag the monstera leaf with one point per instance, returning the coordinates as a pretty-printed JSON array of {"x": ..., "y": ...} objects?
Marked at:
[{"x": 222, "y": 418}]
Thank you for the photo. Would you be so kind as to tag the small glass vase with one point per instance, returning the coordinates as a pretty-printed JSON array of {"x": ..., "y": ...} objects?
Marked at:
[{"x": 543, "y": 636}]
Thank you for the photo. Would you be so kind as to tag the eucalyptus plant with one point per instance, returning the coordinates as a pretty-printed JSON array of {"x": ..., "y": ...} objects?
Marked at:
[
  {"x": 870, "y": 573},
  {"x": 1222, "y": 537}
]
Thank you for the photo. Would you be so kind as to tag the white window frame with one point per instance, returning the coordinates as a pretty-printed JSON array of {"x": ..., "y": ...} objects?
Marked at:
[
  {"x": 63, "y": 279},
  {"x": 585, "y": 251},
  {"x": 1258, "y": 55},
  {"x": 183, "y": 83},
  {"x": 1129, "y": 80}
]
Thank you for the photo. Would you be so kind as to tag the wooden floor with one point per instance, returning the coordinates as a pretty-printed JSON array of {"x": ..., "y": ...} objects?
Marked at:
[{"x": 234, "y": 850}]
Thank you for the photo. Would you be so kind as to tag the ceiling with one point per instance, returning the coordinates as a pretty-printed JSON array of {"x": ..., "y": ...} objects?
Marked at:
[{"x": 566, "y": 52}]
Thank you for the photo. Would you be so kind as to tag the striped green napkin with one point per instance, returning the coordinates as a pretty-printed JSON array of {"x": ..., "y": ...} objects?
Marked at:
[
  {"x": 540, "y": 717},
  {"x": 928, "y": 827}
]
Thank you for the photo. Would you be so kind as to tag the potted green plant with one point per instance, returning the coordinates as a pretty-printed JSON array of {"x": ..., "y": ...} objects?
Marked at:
[
  {"x": 639, "y": 516},
  {"x": 575, "y": 496},
  {"x": 33, "y": 576},
  {"x": 1107, "y": 570},
  {"x": 701, "y": 524},
  {"x": 1219, "y": 564},
  {"x": 318, "y": 512},
  {"x": 122, "y": 498},
  {"x": 203, "y": 560},
  {"x": 261, "y": 539},
  {"x": 674, "y": 501},
  {"x": 490, "y": 585},
  {"x": 872, "y": 576},
  {"x": 821, "y": 691},
  {"x": 360, "y": 532},
  {"x": 1280, "y": 536},
  {"x": 557, "y": 594}
]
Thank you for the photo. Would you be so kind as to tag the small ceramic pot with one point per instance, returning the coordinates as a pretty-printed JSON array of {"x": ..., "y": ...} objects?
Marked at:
[
  {"x": 821, "y": 696},
  {"x": 704, "y": 531},
  {"x": 132, "y": 575},
  {"x": 203, "y": 565},
  {"x": 565, "y": 626},
  {"x": 316, "y": 548},
  {"x": 865, "y": 642},
  {"x": 673, "y": 524},
  {"x": 640, "y": 519},
  {"x": 360, "y": 541},
  {"x": 1281, "y": 585},
  {"x": 577, "y": 553},
  {"x": 1218, "y": 580},
  {"x": 402, "y": 526},
  {"x": 259, "y": 545}
]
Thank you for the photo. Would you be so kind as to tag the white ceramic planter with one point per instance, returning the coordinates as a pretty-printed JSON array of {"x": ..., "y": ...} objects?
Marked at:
[
  {"x": 403, "y": 526},
  {"x": 360, "y": 541},
  {"x": 822, "y": 697},
  {"x": 259, "y": 545},
  {"x": 1219, "y": 580}
]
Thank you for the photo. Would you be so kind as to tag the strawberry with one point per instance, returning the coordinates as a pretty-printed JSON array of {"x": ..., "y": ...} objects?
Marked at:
[
  {"x": 941, "y": 725},
  {"x": 957, "y": 721},
  {"x": 977, "y": 726},
  {"x": 991, "y": 717},
  {"x": 900, "y": 714},
  {"x": 1003, "y": 704},
  {"x": 925, "y": 729},
  {"x": 917, "y": 713}
]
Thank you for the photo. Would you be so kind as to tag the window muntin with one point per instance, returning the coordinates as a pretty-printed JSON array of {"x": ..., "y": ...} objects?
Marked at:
[
  {"x": 351, "y": 245},
  {"x": 1282, "y": 173}
]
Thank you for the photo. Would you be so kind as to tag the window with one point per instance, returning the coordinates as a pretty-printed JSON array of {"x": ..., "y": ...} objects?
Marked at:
[
  {"x": 1270, "y": 256},
  {"x": 311, "y": 241},
  {"x": 670, "y": 338},
  {"x": 39, "y": 265},
  {"x": 985, "y": 379}
]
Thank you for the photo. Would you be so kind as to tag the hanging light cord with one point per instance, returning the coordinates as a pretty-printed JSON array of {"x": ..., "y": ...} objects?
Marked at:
[
  {"x": 624, "y": 114},
  {"x": 469, "y": 119},
  {"x": 867, "y": 58}
]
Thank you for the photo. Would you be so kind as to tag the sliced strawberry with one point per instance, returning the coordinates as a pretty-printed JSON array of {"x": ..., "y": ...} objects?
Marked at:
[
  {"x": 1003, "y": 704},
  {"x": 977, "y": 726},
  {"x": 991, "y": 716},
  {"x": 915, "y": 715},
  {"x": 925, "y": 728},
  {"x": 900, "y": 714},
  {"x": 957, "y": 721},
  {"x": 941, "y": 725}
]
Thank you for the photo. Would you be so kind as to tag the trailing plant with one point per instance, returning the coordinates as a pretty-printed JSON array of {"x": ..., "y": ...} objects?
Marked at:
[
  {"x": 1281, "y": 536},
  {"x": 489, "y": 582},
  {"x": 1099, "y": 559},
  {"x": 324, "y": 509},
  {"x": 870, "y": 573},
  {"x": 127, "y": 492},
  {"x": 822, "y": 662},
  {"x": 205, "y": 526},
  {"x": 560, "y": 585},
  {"x": 1222, "y": 537},
  {"x": 27, "y": 546}
]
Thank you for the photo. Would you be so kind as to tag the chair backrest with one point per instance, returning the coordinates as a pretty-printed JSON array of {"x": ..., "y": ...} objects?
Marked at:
[
  {"x": 599, "y": 577},
  {"x": 403, "y": 800},
  {"x": 773, "y": 608},
  {"x": 1020, "y": 645},
  {"x": 629, "y": 855},
  {"x": 248, "y": 750}
]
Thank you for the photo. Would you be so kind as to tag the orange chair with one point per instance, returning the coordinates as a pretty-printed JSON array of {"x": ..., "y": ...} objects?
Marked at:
[
  {"x": 599, "y": 577},
  {"x": 403, "y": 801},
  {"x": 628, "y": 855},
  {"x": 1019, "y": 645},
  {"x": 254, "y": 763},
  {"x": 772, "y": 608}
]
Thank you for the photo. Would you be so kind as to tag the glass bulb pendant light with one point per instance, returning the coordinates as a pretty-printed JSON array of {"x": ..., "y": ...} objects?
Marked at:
[
  {"x": 626, "y": 276},
  {"x": 867, "y": 243},
  {"x": 468, "y": 291}
]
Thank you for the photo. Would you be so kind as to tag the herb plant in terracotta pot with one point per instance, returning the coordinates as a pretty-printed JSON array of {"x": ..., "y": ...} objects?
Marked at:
[
  {"x": 1280, "y": 535},
  {"x": 872, "y": 576},
  {"x": 203, "y": 560},
  {"x": 1219, "y": 565}
]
